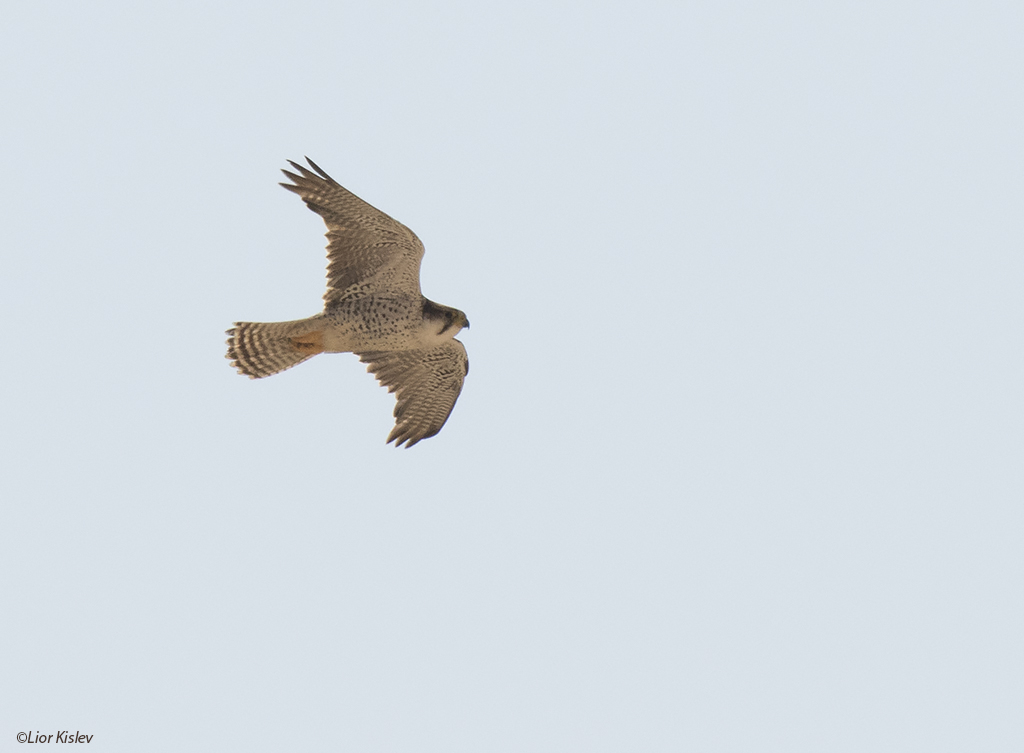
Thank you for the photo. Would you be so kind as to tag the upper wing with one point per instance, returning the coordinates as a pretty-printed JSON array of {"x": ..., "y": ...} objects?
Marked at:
[
  {"x": 365, "y": 247},
  {"x": 426, "y": 383}
]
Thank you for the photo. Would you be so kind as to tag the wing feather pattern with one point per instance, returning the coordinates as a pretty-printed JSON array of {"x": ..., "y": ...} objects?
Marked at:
[
  {"x": 367, "y": 250},
  {"x": 426, "y": 384}
]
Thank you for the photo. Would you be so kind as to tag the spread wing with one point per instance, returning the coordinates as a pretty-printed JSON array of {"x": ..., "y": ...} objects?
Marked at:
[
  {"x": 366, "y": 249},
  {"x": 426, "y": 384}
]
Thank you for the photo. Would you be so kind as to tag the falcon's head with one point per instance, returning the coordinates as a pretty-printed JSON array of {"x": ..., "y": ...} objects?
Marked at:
[
  {"x": 458, "y": 320},
  {"x": 448, "y": 320}
]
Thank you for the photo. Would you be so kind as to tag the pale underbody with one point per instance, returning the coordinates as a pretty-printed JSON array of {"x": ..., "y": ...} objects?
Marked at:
[{"x": 371, "y": 323}]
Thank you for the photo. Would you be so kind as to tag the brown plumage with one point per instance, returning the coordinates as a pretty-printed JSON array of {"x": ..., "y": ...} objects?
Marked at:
[{"x": 373, "y": 307}]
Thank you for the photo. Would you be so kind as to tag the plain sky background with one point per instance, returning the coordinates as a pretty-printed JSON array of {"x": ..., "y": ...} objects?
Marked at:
[{"x": 738, "y": 463}]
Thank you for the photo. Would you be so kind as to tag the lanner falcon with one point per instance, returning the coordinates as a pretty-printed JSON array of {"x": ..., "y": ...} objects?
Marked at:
[{"x": 373, "y": 307}]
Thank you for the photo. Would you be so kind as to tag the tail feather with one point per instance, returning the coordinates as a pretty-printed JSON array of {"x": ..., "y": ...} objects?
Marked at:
[{"x": 259, "y": 349}]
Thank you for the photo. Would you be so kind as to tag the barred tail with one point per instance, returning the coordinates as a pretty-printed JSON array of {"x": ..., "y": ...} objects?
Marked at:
[{"x": 259, "y": 349}]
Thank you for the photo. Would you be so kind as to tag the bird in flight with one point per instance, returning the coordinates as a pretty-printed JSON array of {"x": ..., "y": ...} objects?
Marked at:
[{"x": 373, "y": 307}]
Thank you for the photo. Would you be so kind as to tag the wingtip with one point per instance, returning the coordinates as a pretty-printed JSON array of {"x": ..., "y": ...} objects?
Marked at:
[
  {"x": 402, "y": 439},
  {"x": 320, "y": 170},
  {"x": 304, "y": 173}
]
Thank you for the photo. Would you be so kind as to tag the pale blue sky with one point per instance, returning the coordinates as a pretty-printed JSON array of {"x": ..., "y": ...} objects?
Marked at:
[{"x": 738, "y": 463}]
